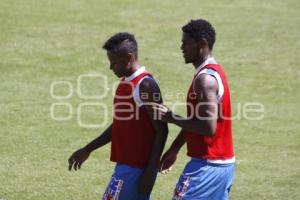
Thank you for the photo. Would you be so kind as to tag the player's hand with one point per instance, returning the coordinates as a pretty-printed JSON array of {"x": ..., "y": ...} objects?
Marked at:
[
  {"x": 146, "y": 183},
  {"x": 167, "y": 160},
  {"x": 77, "y": 158},
  {"x": 162, "y": 112}
]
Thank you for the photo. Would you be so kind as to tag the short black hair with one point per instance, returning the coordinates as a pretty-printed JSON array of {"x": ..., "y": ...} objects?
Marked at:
[
  {"x": 122, "y": 41},
  {"x": 200, "y": 29}
]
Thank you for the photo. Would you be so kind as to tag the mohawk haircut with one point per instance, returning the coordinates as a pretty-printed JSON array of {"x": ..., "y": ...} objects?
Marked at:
[
  {"x": 200, "y": 29},
  {"x": 122, "y": 41}
]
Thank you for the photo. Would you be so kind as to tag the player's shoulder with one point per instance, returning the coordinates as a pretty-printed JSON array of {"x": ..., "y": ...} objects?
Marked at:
[
  {"x": 205, "y": 81},
  {"x": 148, "y": 83},
  {"x": 149, "y": 90}
]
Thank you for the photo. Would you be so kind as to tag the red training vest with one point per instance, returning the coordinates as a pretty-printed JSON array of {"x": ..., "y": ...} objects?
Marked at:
[
  {"x": 220, "y": 145},
  {"x": 132, "y": 131}
]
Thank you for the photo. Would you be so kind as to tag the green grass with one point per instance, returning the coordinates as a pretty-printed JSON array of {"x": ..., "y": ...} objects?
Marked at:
[{"x": 44, "y": 41}]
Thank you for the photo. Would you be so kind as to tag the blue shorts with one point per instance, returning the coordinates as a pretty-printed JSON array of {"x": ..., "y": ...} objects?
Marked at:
[
  {"x": 123, "y": 184},
  {"x": 201, "y": 180}
]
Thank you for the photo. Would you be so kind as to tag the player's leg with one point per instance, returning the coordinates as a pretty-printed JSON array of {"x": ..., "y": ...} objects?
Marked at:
[
  {"x": 189, "y": 184},
  {"x": 124, "y": 183},
  {"x": 201, "y": 180},
  {"x": 228, "y": 181}
]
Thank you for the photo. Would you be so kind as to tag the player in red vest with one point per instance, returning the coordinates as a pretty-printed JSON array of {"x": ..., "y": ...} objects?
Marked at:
[
  {"x": 207, "y": 130},
  {"x": 137, "y": 141}
]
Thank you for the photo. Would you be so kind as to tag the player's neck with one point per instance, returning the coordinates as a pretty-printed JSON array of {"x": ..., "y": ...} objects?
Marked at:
[
  {"x": 200, "y": 60},
  {"x": 135, "y": 66}
]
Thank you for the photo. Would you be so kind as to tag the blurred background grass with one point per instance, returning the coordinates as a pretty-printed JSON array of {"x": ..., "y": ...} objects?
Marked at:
[{"x": 45, "y": 41}]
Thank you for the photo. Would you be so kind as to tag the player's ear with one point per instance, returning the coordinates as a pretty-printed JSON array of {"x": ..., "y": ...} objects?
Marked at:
[
  {"x": 130, "y": 57},
  {"x": 203, "y": 43},
  {"x": 203, "y": 46}
]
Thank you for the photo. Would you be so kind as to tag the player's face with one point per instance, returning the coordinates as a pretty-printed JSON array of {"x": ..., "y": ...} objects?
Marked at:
[
  {"x": 190, "y": 48},
  {"x": 119, "y": 63}
]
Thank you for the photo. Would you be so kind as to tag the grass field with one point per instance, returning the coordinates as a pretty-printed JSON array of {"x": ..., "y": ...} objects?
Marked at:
[{"x": 43, "y": 41}]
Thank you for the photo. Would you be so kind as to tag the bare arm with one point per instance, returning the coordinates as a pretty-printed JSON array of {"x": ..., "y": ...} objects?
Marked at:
[
  {"x": 100, "y": 141},
  {"x": 170, "y": 156},
  {"x": 149, "y": 92},
  {"x": 81, "y": 155},
  {"x": 178, "y": 142},
  {"x": 206, "y": 88}
]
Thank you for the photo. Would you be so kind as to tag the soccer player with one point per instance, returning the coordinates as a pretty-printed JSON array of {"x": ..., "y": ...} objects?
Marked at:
[
  {"x": 207, "y": 130},
  {"x": 137, "y": 141}
]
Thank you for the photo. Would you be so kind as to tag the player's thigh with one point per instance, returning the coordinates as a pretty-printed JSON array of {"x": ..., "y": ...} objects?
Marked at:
[
  {"x": 122, "y": 189},
  {"x": 229, "y": 178},
  {"x": 123, "y": 184},
  {"x": 204, "y": 182}
]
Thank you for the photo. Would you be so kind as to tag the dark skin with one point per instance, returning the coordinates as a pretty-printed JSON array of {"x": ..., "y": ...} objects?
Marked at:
[
  {"x": 206, "y": 88},
  {"x": 149, "y": 93},
  {"x": 125, "y": 64},
  {"x": 81, "y": 155}
]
